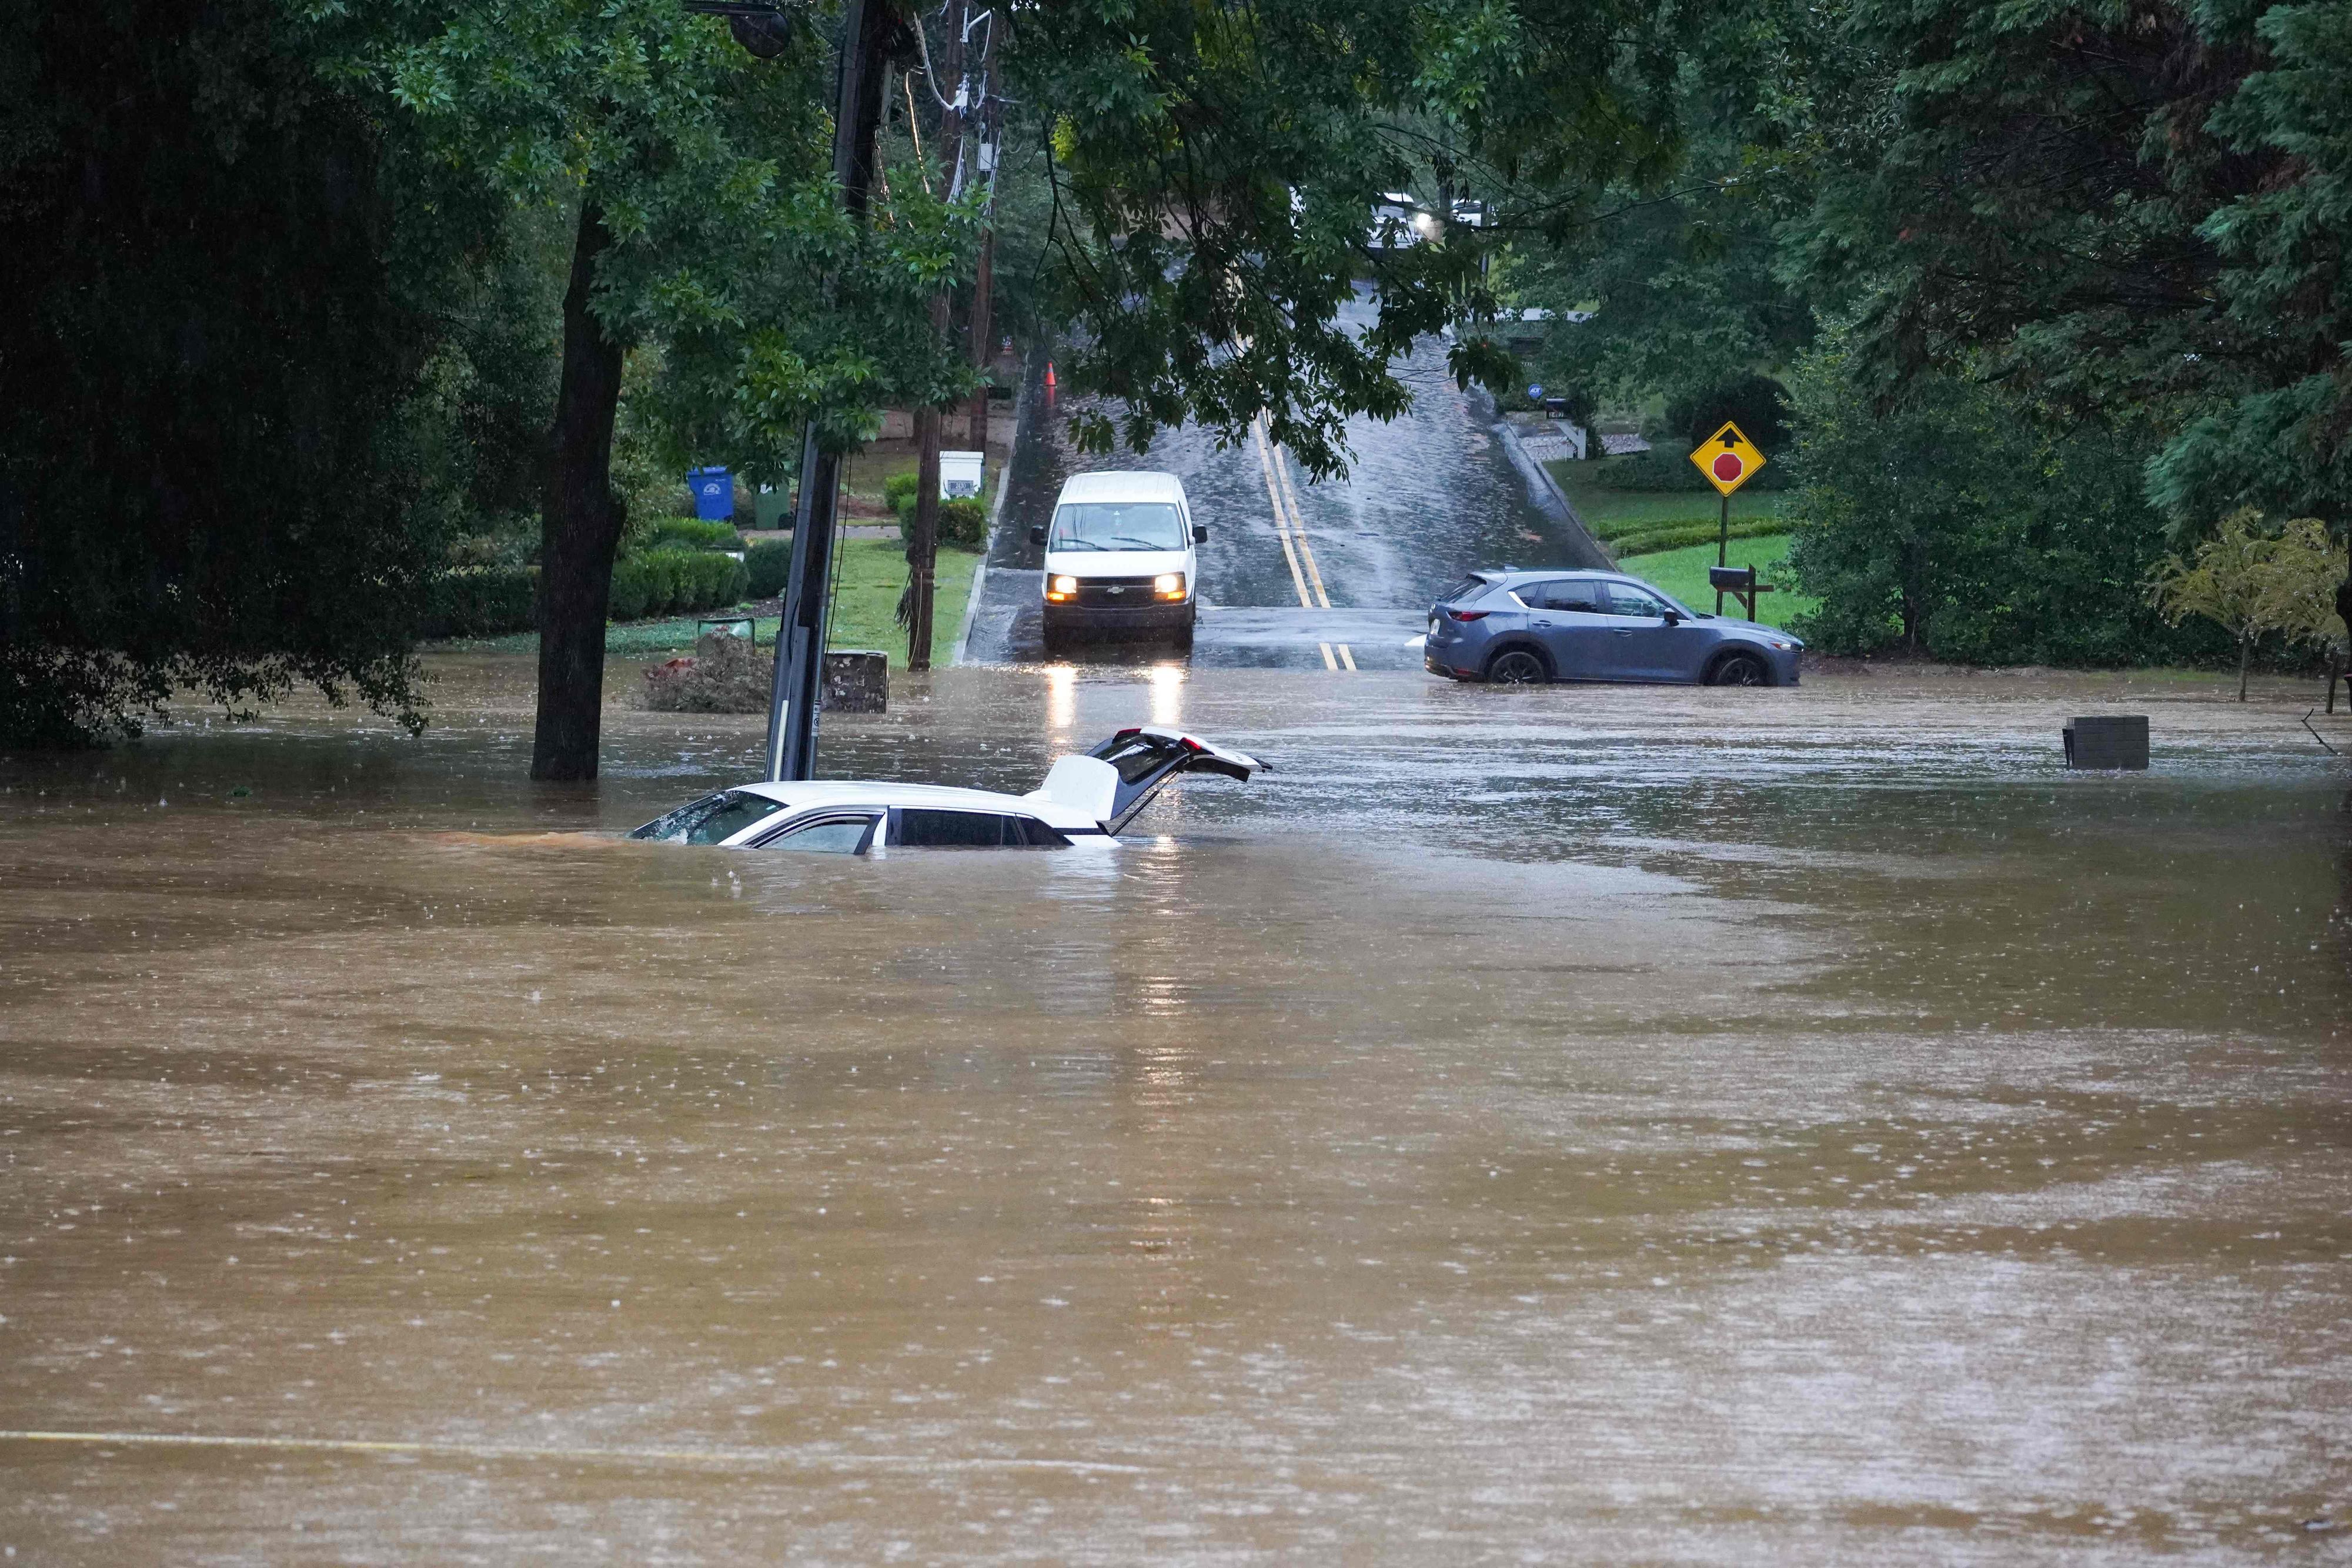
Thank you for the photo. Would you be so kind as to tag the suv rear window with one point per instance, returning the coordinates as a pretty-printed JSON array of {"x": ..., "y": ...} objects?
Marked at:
[{"x": 1462, "y": 589}]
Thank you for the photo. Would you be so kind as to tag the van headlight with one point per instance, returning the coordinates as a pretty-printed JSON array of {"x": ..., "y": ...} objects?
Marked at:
[
  {"x": 1169, "y": 585},
  {"x": 1061, "y": 588}
]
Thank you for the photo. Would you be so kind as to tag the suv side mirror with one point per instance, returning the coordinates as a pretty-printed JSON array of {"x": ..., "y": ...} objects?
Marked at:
[
  {"x": 1672, "y": 617},
  {"x": 1037, "y": 533},
  {"x": 1200, "y": 533}
]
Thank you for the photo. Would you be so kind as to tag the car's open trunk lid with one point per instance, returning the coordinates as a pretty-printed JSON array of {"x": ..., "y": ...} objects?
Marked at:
[{"x": 1119, "y": 777}]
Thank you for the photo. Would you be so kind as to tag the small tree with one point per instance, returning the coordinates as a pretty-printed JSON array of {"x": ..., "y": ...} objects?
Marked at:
[
  {"x": 2249, "y": 580},
  {"x": 2305, "y": 577}
]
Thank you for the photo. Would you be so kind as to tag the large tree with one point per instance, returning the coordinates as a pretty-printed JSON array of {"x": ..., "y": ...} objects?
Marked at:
[
  {"x": 206, "y": 475},
  {"x": 696, "y": 182},
  {"x": 2129, "y": 207}
]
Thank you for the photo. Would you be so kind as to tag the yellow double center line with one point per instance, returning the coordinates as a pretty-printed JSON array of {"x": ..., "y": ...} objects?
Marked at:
[{"x": 1290, "y": 527}]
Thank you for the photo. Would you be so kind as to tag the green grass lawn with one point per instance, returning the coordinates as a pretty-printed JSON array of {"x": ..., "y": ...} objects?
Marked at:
[
  {"x": 1683, "y": 574},
  {"x": 869, "y": 574},
  {"x": 1613, "y": 513}
]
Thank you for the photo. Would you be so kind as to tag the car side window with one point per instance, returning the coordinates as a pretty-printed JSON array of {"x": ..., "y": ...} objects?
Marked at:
[
  {"x": 826, "y": 836},
  {"x": 922, "y": 828},
  {"x": 1038, "y": 836},
  {"x": 1626, "y": 599},
  {"x": 1564, "y": 593}
]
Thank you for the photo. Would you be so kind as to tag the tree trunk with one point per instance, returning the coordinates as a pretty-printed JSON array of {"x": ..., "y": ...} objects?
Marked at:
[
  {"x": 923, "y": 538},
  {"x": 580, "y": 528},
  {"x": 2245, "y": 655}
]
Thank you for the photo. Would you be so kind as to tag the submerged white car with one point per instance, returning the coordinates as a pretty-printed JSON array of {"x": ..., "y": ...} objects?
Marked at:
[
  {"x": 1120, "y": 557},
  {"x": 1093, "y": 796}
]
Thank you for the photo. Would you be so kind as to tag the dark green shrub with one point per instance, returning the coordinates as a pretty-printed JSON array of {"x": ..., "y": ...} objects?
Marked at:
[
  {"x": 735, "y": 586},
  {"x": 632, "y": 586},
  {"x": 767, "y": 566},
  {"x": 665, "y": 578},
  {"x": 710, "y": 580},
  {"x": 1758, "y": 403},
  {"x": 483, "y": 601},
  {"x": 689, "y": 533},
  {"x": 963, "y": 523},
  {"x": 898, "y": 492}
]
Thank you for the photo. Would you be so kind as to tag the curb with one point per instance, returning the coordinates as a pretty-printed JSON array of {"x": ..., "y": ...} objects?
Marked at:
[
  {"x": 996, "y": 516},
  {"x": 1576, "y": 518}
]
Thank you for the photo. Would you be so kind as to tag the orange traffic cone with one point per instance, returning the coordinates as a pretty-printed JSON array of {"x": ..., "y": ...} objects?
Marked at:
[{"x": 1049, "y": 372}]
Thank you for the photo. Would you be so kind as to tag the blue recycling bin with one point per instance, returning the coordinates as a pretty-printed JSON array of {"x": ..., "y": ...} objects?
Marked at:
[{"x": 714, "y": 494}]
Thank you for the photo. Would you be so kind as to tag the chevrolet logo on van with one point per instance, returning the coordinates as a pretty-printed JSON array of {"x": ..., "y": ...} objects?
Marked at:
[{"x": 1114, "y": 588}]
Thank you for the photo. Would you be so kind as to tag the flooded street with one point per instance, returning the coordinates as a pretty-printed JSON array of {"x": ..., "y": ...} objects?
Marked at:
[
  {"x": 1570, "y": 1124},
  {"x": 1293, "y": 570}
]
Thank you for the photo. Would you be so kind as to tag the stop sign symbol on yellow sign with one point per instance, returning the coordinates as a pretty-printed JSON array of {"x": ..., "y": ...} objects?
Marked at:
[{"x": 1728, "y": 458}]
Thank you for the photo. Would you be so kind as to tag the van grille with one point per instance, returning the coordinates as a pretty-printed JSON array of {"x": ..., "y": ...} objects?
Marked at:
[{"x": 1110, "y": 592}]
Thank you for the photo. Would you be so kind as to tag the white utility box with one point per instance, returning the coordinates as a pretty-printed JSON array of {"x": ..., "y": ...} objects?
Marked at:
[{"x": 960, "y": 475}]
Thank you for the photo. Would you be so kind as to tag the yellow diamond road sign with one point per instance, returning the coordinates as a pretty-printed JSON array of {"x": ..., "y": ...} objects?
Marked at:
[{"x": 1728, "y": 458}]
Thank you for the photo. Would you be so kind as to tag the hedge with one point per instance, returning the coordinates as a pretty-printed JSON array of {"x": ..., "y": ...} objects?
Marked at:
[
  {"x": 963, "y": 520},
  {"x": 483, "y": 601},
  {"x": 767, "y": 566},
  {"x": 689, "y": 533},
  {"x": 1654, "y": 472},
  {"x": 963, "y": 523},
  {"x": 674, "y": 582},
  {"x": 1676, "y": 535}
]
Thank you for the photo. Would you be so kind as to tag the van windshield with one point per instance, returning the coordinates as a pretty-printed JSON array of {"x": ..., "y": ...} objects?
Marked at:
[{"x": 1116, "y": 524}]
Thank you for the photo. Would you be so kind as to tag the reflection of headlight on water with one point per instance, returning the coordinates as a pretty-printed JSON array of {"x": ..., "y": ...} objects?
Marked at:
[
  {"x": 1061, "y": 698},
  {"x": 1167, "y": 694}
]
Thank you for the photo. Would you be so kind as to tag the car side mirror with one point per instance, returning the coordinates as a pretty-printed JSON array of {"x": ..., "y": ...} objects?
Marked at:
[
  {"x": 1037, "y": 533},
  {"x": 1200, "y": 533},
  {"x": 1672, "y": 618}
]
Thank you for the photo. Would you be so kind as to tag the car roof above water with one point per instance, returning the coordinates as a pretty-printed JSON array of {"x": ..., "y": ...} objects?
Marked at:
[
  {"x": 849, "y": 795},
  {"x": 1123, "y": 484}
]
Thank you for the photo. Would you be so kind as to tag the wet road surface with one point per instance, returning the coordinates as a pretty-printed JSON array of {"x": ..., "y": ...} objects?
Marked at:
[
  {"x": 1570, "y": 1126},
  {"x": 1294, "y": 572}
]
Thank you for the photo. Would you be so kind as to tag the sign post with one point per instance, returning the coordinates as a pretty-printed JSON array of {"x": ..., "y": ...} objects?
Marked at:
[{"x": 1729, "y": 460}]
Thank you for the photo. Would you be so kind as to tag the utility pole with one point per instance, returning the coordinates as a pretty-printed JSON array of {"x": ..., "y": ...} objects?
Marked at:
[
  {"x": 923, "y": 534},
  {"x": 983, "y": 283},
  {"x": 867, "y": 27}
]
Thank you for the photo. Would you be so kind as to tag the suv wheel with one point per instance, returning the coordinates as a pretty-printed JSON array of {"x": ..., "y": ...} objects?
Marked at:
[
  {"x": 1740, "y": 670},
  {"x": 1517, "y": 667}
]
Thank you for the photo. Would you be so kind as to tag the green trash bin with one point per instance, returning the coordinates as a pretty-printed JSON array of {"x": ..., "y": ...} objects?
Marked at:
[{"x": 772, "y": 508}]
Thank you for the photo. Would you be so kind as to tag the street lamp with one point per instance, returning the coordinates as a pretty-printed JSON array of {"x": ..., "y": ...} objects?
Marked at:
[{"x": 764, "y": 28}]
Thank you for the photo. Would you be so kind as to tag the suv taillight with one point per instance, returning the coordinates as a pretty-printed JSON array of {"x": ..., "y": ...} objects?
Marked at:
[{"x": 1467, "y": 614}]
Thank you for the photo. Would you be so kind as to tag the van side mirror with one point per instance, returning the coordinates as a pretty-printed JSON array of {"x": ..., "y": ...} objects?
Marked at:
[
  {"x": 1200, "y": 533},
  {"x": 1037, "y": 533}
]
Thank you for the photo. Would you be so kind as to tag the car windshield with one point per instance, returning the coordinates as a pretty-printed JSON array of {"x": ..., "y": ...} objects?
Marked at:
[
  {"x": 1116, "y": 524},
  {"x": 712, "y": 820}
]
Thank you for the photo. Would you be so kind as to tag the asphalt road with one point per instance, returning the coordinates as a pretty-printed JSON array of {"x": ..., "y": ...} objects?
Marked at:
[{"x": 1336, "y": 575}]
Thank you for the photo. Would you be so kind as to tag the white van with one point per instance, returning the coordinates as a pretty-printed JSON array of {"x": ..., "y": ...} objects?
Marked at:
[{"x": 1119, "y": 555}]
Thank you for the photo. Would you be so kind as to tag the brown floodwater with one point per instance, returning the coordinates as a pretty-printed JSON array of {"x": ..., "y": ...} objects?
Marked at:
[{"x": 1600, "y": 1125}]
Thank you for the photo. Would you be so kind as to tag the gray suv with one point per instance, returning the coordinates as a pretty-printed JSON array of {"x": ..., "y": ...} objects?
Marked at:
[{"x": 1522, "y": 628}]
